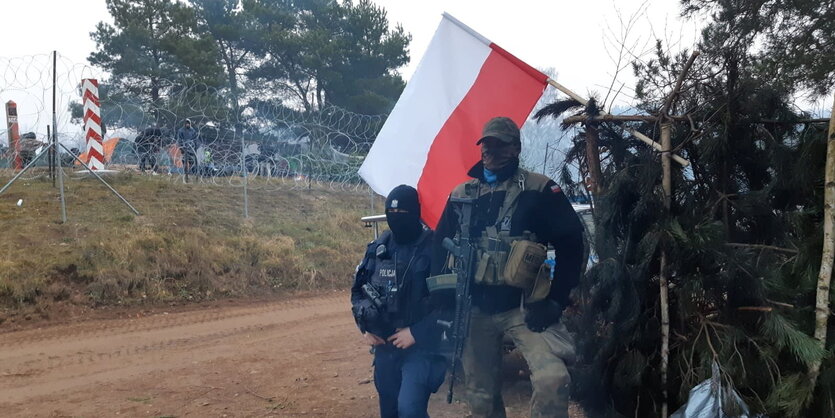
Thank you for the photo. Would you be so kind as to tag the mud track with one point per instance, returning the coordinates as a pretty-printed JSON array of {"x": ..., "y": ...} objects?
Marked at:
[{"x": 298, "y": 357}]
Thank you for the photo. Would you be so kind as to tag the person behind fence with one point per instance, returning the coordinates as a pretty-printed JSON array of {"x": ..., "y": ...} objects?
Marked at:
[
  {"x": 393, "y": 310},
  {"x": 207, "y": 162},
  {"x": 516, "y": 214},
  {"x": 187, "y": 141},
  {"x": 148, "y": 144}
]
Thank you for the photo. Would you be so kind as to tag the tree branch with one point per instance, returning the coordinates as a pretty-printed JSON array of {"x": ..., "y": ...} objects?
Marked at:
[
  {"x": 671, "y": 98},
  {"x": 761, "y": 247}
]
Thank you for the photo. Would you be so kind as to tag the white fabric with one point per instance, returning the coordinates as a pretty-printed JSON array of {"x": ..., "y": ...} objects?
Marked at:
[{"x": 443, "y": 77}]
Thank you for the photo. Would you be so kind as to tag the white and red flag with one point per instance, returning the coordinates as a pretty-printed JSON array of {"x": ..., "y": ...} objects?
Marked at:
[{"x": 429, "y": 139}]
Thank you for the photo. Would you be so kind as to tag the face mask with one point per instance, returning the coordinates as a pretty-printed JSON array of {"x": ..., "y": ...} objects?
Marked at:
[
  {"x": 497, "y": 156},
  {"x": 405, "y": 226}
]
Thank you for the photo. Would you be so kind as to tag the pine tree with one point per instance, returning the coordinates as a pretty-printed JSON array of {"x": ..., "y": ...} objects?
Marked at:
[
  {"x": 795, "y": 38},
  {"x": 152, "y": 44},
  {"x": 324, "y": 52},
  {"x": 231, "y": 25},
  {"x": 743, "y": 238}
]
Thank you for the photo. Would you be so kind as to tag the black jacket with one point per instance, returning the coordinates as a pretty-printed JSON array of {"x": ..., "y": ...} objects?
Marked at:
[
  {"x": 150, "y": 138},
  {"x": 416, "y": 310},
  {"x": 545, "y": 211}
]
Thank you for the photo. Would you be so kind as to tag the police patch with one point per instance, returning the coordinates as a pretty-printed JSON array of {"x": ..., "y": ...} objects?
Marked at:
[{"x": 394, "y": 204}]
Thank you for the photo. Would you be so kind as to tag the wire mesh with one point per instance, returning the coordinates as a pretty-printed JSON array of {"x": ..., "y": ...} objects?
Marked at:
[{"x": 275, "y": 145}]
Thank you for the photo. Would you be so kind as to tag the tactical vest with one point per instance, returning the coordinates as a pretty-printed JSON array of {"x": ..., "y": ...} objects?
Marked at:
[
  {"x": 502, "y": 258},
  {"x": 392, "y": 277}
]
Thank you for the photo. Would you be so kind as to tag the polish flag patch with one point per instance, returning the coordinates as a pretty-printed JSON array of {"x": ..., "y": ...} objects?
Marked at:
[{"x": 556, "y": 189}]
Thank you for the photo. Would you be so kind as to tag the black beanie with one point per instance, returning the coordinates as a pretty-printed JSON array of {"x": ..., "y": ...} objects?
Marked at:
[{"x": 403, "y": 214}]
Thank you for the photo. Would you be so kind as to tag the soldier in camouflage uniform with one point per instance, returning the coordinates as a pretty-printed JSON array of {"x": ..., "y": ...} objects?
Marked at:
[{"x": 513, "y": 205}]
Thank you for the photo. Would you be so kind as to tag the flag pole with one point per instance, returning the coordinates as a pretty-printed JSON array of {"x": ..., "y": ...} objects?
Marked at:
[
  {"x": 635, "y": 133},
  {"x": 466, "y": 28}
]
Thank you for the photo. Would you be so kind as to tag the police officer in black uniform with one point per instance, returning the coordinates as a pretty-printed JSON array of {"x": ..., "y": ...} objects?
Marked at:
[{"x": 392, "y": 308}]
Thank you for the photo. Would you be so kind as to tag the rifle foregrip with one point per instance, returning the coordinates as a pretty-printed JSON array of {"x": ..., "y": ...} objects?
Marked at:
[{"x": 450, "y": 246}]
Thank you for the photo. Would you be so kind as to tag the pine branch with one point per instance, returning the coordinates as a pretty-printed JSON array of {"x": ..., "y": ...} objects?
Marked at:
[
  {"x": 760, "y": 246},
  {"x": 557, "y": 108},
  {"x": 803, "y": 347}
]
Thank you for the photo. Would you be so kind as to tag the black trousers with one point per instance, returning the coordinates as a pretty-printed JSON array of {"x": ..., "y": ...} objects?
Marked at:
[{"x": 147, "y": 158}]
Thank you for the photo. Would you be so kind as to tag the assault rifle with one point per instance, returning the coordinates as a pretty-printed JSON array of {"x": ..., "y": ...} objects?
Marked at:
[{"x": 465, "y": 256}]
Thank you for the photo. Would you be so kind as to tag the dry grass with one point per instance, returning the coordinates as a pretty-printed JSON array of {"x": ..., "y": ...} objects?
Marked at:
[{"x": 190, "y": 243}]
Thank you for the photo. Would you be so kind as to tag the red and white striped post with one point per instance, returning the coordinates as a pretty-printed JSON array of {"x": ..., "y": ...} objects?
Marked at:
[
  {"x": 13, "y": 133},
  {"x": 92, "y": 123}
]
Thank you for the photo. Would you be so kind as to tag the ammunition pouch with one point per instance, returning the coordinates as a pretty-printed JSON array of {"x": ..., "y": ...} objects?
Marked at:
[
  {"x": 509, "y": 260},
  {"x": 441, "y": 282},
  {"x": 525, "y": 261},
  {"x": 493, "y": 248}
]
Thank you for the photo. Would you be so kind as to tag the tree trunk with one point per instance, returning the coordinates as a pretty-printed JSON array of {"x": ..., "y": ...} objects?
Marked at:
[
  {"x": 663, "y": 282},
  {"x": 319, "y": 96},
  {"x": 825, "y": 276},
  {"x": 155, "y": 87},
  {"x": 593, "y": 158},
  {"x": 730, "y": 135},
  {"x": 236, "y": 107}
]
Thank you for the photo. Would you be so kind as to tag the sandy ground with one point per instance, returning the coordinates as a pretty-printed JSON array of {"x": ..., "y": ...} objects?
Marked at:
[{"x": 301, "y": 357}]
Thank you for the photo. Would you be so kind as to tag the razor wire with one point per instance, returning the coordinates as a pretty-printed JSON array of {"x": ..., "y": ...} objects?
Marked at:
[
  {"x": 283, "y": 146},
  {"x": 278, "y": 146}
]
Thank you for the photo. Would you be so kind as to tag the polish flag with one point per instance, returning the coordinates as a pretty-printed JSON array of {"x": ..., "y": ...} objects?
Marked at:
[{"x": 429, "y": 139}]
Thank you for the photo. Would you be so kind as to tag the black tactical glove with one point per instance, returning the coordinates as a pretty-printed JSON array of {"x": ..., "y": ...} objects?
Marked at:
[{"x": 540, "y": 315}]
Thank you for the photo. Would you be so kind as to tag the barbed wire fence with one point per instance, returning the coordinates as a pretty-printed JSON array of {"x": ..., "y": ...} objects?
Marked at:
[{"x": 262, "y": 145}]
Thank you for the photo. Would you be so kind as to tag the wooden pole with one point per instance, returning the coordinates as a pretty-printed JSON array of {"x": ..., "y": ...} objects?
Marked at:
[
  {"x": 593, "y": 158},
  {"x": 13, "y": 132},
  {"x": 678, "y": 118},
  {"x": 634, "y": 133},
  {"x": 663, "y": 282},
  {"x": 663, "y": 274},
  {"x": 825, "y": 275},
  {"x": 610, "y": 118}
]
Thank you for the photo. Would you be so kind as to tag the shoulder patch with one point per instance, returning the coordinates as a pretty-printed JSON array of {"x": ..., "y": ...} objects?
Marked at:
[{"x": 552, "y": 187}]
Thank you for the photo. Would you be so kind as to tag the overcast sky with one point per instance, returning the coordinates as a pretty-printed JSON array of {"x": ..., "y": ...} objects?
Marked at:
[
  {"x": 579, "y": 39},
  {"x": 571, "y": 37}
]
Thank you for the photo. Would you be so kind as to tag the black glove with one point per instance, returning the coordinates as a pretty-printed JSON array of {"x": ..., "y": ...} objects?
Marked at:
[{"x": 540, "y": 315}]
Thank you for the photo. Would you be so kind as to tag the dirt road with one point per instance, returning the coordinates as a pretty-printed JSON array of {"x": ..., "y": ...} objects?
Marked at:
[{"x": 298, "y": 357}]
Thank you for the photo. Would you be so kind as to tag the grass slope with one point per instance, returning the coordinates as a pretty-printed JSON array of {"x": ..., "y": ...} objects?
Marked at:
[{"x": 190, "y": 242}]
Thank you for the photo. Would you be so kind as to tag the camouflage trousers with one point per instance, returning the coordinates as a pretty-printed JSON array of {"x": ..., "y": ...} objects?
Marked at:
[{"x": 546, "y": 354}]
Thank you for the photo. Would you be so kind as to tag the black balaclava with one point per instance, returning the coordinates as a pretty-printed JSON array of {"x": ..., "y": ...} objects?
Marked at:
[{"x": 403, "y": 214}]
